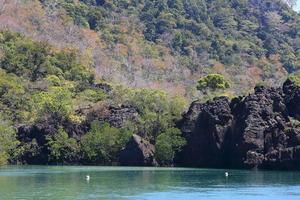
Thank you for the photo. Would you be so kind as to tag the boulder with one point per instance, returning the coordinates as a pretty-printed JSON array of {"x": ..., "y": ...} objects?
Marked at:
[{"x": 138, "y": 152}]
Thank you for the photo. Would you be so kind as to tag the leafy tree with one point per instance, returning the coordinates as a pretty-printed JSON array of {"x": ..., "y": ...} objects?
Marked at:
[
  {"x": 212, "y": 82},
  {"x": 157, "y": 111},
  {"x": 62, "y": 148},
  {"x": 15, "y": 102},
  {"x": 295, "y": 78},
  {"x": 8, "y": 142},
  {"x": 103, "y": 143},
  {"x": 167, "y": 145},
  {"x": 56, "y": 103},
  {"x": 24, "y": 57}
]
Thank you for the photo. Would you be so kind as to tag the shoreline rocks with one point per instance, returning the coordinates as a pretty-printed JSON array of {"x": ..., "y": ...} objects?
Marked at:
[
  {"x": 250, "y": 132},
  {"x": 260, "y": 130}
]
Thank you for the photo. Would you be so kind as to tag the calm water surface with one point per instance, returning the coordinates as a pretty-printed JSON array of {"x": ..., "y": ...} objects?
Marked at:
[{"x": 121, "y": 183}]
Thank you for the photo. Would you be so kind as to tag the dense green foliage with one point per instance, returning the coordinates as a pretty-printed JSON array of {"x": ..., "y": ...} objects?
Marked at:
[
  {"x": 158, "y": 112},
  {"x": 103, "y": 143},
  {"x": 8, "y": 142},
  {"x": 35, "y": 60},
  {"x": 167, "y": 144},
  {"x": 36, "y": 79},
  {"x": 62, "y": 148},
  {"x": 295, "y": 78}
]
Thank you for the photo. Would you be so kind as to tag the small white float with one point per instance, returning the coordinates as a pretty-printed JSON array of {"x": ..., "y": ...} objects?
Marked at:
[{"x": 226, "y": 174}]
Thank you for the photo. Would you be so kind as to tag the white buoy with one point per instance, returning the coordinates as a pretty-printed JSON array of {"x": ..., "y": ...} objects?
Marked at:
[
  {"x": 226, "y": 174},
  {"x": 87, "y": 177}
]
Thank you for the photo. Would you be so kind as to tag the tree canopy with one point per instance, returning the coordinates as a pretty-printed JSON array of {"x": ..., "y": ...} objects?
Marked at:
[{"x": 212, "y": 82}]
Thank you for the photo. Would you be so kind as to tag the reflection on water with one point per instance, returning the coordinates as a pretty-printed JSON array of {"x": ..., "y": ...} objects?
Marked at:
[{"x": 64, "y": 183}]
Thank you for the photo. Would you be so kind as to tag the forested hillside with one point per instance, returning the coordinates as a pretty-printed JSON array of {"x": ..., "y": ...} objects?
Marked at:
[
  {"x": 168, "y": 44},
  {"x": 78, "y": 78}
]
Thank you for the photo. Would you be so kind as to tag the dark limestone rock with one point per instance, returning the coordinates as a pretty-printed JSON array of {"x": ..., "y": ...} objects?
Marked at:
[
  {"x": 103, "y": 86},
  {"x": 138, "y": 152},
  {"x": 249, "y": 132},
  {"x": 35, "y": 136},
  {"x": 292, "y": 98},
  {"x": 283, "y": 159},
  {"x": 258, "y": 128},
  {"x": 207, "y": 128},
  {"x": 116, "y": 116},
  {"x": 119, "y": 115}
]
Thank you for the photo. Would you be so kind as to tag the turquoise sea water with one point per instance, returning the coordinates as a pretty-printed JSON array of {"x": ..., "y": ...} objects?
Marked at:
[{"x": 121, "y": 183}]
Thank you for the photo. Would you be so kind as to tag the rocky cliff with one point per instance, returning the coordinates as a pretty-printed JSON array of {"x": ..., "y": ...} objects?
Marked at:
[{"x": 260, "y": 130}]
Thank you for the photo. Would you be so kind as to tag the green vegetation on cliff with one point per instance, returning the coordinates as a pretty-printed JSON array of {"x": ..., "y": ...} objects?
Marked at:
[{"x": 52, "y": 91}]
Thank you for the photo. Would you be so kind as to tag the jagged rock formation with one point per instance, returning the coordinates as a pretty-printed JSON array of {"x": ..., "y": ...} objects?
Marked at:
[
  {"x": 207, "y": 136},
  {"x": 35, "y": 135},
  {"x": 254, "y": 131},
  {"x": 116, "y": 116},
  {"x": 260, "y": 130},
  {"x": 292, "y": 98},
  {"x": 138, "y": 152}
]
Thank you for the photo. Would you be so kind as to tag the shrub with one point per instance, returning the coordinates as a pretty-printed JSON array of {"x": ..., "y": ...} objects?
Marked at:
[
  {"x": 212, "y": 82},
  {"x": 63, "y": 149},
  {"x": 157, "y": 111},
  {"x": 295, "y": 79},
  {"x": 8, "y": 142},
  {"x": 103, "y": 143},
  {"x": 167, "y": 145},
  {"x": 56, "y": 103}
]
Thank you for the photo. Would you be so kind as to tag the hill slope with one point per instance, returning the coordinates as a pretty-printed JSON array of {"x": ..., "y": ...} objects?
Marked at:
[{"x": 169, "y": 44}]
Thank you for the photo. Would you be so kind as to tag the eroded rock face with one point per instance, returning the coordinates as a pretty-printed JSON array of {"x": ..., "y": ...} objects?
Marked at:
[
  {"x": 292, "y": 98},
  {"x": 248, "y": 132},
  {"x": 138, "y": 152},
  {"x": 259, "y": 126},
  {"x": 115, "y": 116},
  {"x": 206, "y": 128}
]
